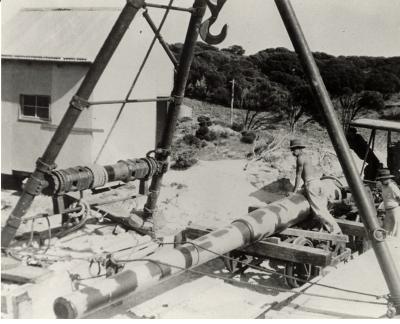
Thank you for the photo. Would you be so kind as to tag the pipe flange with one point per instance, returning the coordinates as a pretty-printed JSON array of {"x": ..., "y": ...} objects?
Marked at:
[
  {"x": 379, "y": 234},
  {"x": 100, "y": 175}
]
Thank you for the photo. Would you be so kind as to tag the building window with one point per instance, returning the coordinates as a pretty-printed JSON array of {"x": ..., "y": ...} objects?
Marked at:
[{"x": 35, "y": 107}]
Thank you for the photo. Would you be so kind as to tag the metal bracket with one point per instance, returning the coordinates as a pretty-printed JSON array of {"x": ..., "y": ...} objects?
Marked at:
[
  {"x": 34, "y": 186},
  {"x": 79, "y": 103},
  {"x": 205, "y": 26},
  {"x": 177, "y": 100},
  {"x": 379, "y": 234},
  {"x": 44, "y": 167},
  {"x": 137, "y": 4}
]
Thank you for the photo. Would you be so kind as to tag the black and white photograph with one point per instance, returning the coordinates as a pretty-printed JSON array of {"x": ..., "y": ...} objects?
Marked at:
[{"x": 200, "y": 159}]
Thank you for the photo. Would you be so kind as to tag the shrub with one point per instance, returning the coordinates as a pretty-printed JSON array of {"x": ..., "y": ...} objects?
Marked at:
[
  {"x": 204, "y": 120},
  {"x": 185, "y": 119},
  {"x": 184, "y": 160},
  {"x": 248, "y": 137},
  {"x": 237, "y": 127},
  {"x": 224, "y": 134},
  {"x": 210, "y": 136},
  {"x": 202, "y": 132},
  {"x": 190, "y": 139}
]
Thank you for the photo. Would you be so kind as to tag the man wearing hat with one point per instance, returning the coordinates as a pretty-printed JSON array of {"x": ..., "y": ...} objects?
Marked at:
[
  {"x": 313, "y": 187},
  {"x": 391, "y": 201}
]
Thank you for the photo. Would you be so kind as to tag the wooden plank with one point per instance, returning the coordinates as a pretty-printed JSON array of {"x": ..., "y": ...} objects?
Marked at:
[
  {"x": 352, "y": 228},
  {"x": 289, "y": 252},
  {"x": 315, "y": 235},
  {"x": 75, "y": 130},
  {"x": 276, "y": 249}
]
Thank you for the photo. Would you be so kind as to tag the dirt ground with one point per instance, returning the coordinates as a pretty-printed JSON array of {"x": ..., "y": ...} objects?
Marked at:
[
  {"x": 211, "y": 194},
  {"x": 216, "y": 190}
]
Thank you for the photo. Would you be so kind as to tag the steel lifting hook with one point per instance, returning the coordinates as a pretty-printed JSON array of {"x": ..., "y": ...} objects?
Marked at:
[{"x": 205, "y": 26}]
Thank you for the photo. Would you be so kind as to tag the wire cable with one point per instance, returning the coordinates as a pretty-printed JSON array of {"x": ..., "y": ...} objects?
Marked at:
[
  {"x": 134, "y": 82},
  {"x": 279, "y": 274},
  {"x": 250, "y": 284}
]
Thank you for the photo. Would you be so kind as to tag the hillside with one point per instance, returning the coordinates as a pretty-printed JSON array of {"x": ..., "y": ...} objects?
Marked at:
[{"x": 273, "y": 80}]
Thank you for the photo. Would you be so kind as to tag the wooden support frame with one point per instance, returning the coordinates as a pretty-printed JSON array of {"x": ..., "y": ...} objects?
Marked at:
[
  {"x": 273, "y": 248},
  {"x": 352, "y": 228},
  {"x": 315, "y": 235},
  {"x": 289, "y": 252}
]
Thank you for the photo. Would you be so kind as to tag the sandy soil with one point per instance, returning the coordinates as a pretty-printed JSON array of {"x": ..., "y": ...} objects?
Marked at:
[{"x": 211, "y": 194}]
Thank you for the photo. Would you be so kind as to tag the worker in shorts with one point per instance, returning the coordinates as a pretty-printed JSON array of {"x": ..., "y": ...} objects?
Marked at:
[
  {"x": 313, "y": 187},
  {"x": 391, "y": 201}
]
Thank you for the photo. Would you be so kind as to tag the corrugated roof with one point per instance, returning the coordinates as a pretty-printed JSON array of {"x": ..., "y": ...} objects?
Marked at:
[{"x": 61, "y": 34}]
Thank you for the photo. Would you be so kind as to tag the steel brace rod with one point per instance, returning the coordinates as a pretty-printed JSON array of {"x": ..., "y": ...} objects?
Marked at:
[
  {"x": 133, "y": 85},
  {"x": 46, "y": 163},
  {"x": 178, "y": 92},
  {"x": 111, "y": 102},
  {"x": 364, "y": 205},
  {"x": 158, "y": 6},
  {"x": 157, "y": 34}
]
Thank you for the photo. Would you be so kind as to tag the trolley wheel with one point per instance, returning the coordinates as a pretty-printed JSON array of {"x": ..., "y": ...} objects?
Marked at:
[
  {"x": 299, "y": 271},
  {"x": 235, "y": 263}
]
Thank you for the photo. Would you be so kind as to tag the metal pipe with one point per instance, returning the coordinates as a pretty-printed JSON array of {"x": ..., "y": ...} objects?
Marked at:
[
  {"x": 89, "y": 177},
  {"x": 158, "y": 6},
  {"x": 185, "y": 61},
  {"x": 111, "y": 102},
  {"x": 139, "y": 275},
  {"x": 160, "y": 39},
  {"x": 364, "y": 205},
  {"x": 368, "y": 149},
  {"x": 45, "y": 164}
]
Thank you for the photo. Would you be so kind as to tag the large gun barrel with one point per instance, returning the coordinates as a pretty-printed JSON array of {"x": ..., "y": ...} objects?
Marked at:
[{"x": 137, "y": 276}]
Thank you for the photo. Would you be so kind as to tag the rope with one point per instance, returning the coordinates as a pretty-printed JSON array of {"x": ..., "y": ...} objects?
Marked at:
[
  {"x": 251, "y": 284},
  {"x": 134, "y": 82}
]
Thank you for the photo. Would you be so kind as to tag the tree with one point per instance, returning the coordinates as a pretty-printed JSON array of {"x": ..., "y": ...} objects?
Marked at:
[
  {"x": 262, "y": 96},
  {"x": 351, "y": 105},
  {"x": 382, "y": 81},
  {"x": 301, "y": 101},
  {"x": 235, "y": 49}
]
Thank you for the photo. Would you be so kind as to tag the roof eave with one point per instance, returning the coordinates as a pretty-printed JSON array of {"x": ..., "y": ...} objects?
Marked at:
[{"x": 45, "y": 58}]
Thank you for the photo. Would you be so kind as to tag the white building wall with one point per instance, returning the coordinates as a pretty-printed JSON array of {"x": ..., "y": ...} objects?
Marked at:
[
  {"x": 24, "y": 141},
  {"x": 135, "y": 132}
]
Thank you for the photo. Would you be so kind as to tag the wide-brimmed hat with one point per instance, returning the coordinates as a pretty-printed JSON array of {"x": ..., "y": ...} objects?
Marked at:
[
  {"x": 296, "y": 143},
  {"x": 384, "y": 174}
]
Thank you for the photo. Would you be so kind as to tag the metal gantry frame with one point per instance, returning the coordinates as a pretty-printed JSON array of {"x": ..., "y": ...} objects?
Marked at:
[
  {"x": 336, "y": 134},
  {"x": 79, "y": 102}
]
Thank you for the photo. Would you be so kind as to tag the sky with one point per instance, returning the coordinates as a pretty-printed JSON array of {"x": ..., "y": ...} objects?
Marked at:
[{"x": 337, "y": 27}]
